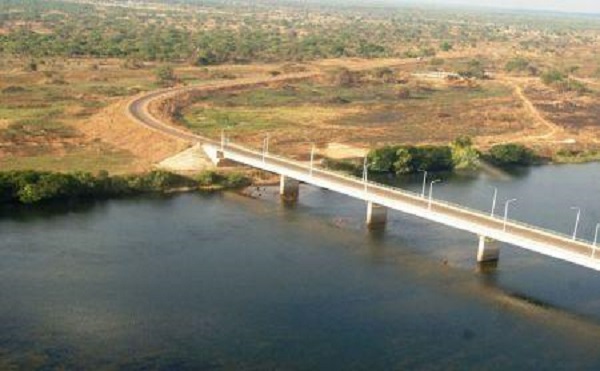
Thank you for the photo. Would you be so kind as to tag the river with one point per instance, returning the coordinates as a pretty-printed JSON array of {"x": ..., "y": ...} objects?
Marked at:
[{"x": 224, "y": 281}]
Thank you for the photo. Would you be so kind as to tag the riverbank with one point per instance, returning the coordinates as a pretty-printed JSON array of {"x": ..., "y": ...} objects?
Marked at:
[{"x": 33, "y": 187}]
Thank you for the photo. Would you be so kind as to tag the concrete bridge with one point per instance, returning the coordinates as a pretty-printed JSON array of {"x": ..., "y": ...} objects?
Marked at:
[{"x": 379, "y": 198}]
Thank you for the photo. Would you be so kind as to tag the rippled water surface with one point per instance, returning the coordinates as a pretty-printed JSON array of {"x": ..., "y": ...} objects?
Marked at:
[{"x": 231, "y": 282}]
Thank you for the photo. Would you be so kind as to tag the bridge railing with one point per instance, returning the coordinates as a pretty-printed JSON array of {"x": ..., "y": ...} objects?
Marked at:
[{"x": 417, "y": 197}]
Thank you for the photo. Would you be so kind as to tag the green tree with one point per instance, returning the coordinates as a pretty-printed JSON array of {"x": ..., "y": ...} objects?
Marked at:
[
  {"x": 553, "y": 76},
  {"x": 165, "y": 76},
  {"x": 475, "y": 68},
  {"x": 404, "y": 160},
  {"x": 432, "y": 158},
  {"x": 382, "y": 159},
  {"x": 511, "y": 154},
  {"x": 464, "y": 156},
  {"x": 446, "y": 46}
]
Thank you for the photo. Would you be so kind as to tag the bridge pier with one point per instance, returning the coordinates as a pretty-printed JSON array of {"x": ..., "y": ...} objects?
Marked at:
[
  {"x": 376, "y": 216},
  {"x": 488, "y": 251},
  {"x": 289, "y": 189}
]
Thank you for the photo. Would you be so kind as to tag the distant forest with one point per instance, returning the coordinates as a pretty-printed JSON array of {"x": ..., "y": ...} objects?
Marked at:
[{"x": 216, "y": 32}]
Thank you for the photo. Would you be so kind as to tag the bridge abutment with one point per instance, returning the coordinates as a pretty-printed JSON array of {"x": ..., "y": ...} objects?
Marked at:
[
  {"x": 488, "y": 251},
  {"x": 216, "y": 156},
  {"x": 289, "y": 189},
  {"x": 376, "y": 216}
]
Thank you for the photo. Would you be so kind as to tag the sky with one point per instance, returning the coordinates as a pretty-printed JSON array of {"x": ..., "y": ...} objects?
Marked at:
[{"x": 577, "y": 6}]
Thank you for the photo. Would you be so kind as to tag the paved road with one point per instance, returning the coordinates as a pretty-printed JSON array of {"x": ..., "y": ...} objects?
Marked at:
[{"x": 531, "y": 238}]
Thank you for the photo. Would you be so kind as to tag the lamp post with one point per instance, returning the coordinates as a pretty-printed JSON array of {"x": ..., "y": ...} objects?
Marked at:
[
  {"x": 365, "y": 173},
  {"x": 424, "y": 182},
  {"x": 267, "y": 144},
  {"x": 265, "y": 147},
  {"x": 222, "y": 139},
  {"x": 312, "y": 159},
  {"x": 576, "y": 221},
  {"x": 494, "y": 201},
  {"x": 431, "y": 192},
  {"x": 506, "y": 204},
  {"x": 595, "y": 241}
]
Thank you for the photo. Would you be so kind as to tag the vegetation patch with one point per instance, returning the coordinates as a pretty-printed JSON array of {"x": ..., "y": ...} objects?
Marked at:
[
  {"x": 31, "y": 187},
  {"x": 509, "y": 155}
]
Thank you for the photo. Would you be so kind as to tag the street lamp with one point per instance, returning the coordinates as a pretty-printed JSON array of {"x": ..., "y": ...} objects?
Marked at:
[
  {"x": 506, "y": 204},
  {"x": 576, "y": 221},
  {"x": 365, "y": 173},
  {"x": 424, "y": 182},
  {"x": 494, "y": 201},
  {"x": 312, "y": 159},
  {"x": 265, "y": 147},
  {"x": 595, "y": 241},
  {"x": 431, "y": 192}
]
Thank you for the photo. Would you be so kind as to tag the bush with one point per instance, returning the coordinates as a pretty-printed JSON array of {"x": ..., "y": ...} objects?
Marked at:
[
  {"x": 342, "y": 165},
  {"x": 464, "y": 156},
  {"x": 552, "y": 76},
  {"x": 381, "y": 160},
  {"x": 165, "y": 76},
  {"x": 517, "y": 65},
  {"x": 209, "y": 178},
  {"x": 236, "y": 180},
  {"x": 446, "y": 46},
  {"x": 410, "y": 159},
  {"x": 475, "y": 69},
  {"x": 30, "y": 187},
  {"x": 432, "y": 158},
  {"x": 511, "y": 154}
]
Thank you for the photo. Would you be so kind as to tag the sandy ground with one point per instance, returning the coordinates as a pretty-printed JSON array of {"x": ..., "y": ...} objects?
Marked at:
[
  {"x": 190, "y": 160},
  {"x": 113, "y": 126},
  {"x": 340, "y": 151}
]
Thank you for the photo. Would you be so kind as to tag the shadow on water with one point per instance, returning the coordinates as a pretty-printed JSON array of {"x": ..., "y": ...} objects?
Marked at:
[
  {"x": 537, "y": 310},
  {"x": 47, "y": 210},
  {"x": 485, "y": 287},
  {"x": 27, "y": 213}
]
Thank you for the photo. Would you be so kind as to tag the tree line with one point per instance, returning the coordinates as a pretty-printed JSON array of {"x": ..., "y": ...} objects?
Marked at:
[
  {"x": 229, "y": 33},
  {"x": 31, "y": 187},
  {"x": 460, "y": 154}
]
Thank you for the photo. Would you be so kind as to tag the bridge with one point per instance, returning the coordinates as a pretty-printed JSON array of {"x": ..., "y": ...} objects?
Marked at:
[{"x": 379, "y": 198}]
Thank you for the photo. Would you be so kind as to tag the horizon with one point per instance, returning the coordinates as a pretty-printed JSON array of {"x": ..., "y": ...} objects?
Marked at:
[
  {"x": 577, "y": 6},
  {"x": 574, "y": 6}
]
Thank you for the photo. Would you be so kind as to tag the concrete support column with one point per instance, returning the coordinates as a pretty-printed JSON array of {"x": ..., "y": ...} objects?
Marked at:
[
  {"x": 376, "y": 215},
  {"x": 488, "y": 251},
  {"x": 289, "y": 189}
]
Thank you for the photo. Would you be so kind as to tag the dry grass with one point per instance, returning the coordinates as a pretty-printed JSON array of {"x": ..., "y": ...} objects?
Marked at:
[
  {"x": 70, "y": 114},
  {"x": 359, "y": 116}
]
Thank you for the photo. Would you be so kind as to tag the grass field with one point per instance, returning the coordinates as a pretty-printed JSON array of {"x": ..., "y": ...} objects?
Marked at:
[{"x": 364, "y": 114}]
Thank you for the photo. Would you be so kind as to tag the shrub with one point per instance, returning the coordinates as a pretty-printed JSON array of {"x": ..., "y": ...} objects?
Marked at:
[
  {"x": 410, "y": 159},
  {"x": 342, "y": 165},
  {"x": 517, "y": 65},
  {"x": 511, "y": 154},
  {"x": 165, "y": 76},
  {"x": 381, "y": 160},
  {"x": 208, "y": 178},
  {"x": 445, "y": 46},
  {"x": 464, "y": 156},
  {"x": 236, "y": 180},
  {"x": 552, "y": 76}
]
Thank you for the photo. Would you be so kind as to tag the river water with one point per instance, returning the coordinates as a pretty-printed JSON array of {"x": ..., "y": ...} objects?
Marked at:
[{"x": 225, "y": 281}]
